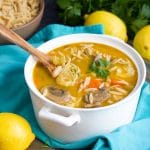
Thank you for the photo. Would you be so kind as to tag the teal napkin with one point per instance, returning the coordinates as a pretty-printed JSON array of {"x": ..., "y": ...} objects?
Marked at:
[{"x": 14, "y": 97}]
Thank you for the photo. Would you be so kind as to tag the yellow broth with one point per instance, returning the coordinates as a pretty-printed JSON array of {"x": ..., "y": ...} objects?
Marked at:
[{"x": 119, "y": 82}]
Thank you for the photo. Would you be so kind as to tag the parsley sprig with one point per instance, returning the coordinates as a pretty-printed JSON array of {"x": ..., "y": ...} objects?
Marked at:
[
  {"x": 99, "y": 67},
  {"x": 135, "y": 13}
]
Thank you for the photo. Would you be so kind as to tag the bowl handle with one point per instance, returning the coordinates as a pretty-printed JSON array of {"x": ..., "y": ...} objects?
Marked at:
[{"x": 66, "y": 121}]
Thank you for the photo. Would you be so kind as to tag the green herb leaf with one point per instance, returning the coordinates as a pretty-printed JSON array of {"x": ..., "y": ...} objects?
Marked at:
[
  {"x": 93, "y": 66},
  {"x": 145, "y": 11},
  {"x": 103, "y": 62},
  {"x": 103, "y": 73},
  {"x": 71, "y": 13},
  {"x": 100, "y": 68},
  {"x": 77, "y": 9},
  {"x": 136, "y": 15},
  {"x": 63, "y": 4},
  {"x": 138, "y": 23}
]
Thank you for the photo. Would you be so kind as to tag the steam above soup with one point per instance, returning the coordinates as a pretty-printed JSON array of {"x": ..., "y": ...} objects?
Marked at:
[{"x": 87, "y": 75}]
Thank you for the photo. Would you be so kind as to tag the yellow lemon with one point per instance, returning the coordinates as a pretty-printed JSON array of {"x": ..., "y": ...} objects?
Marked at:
[
  {"x": 113, "y": 25},
  {"x": 15, "y": 132},
  {"x": 141, "y": 42}
]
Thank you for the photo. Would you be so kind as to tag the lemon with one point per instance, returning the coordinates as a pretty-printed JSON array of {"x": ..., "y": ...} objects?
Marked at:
[
  {"x": 15, "y": 132},
  {"x": 141, "y": 42},
  {"x": 113, "y": 25}
]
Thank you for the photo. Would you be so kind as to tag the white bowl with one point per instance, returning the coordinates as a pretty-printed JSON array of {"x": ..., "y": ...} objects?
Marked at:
[{"x": 73, "y": 124}]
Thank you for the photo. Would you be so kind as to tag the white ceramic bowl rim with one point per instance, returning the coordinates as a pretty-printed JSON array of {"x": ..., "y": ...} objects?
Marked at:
[{"x": 140, "y": 81}]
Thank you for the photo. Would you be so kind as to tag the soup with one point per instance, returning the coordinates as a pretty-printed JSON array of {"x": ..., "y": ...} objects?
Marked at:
[{"x": 87, "y": 75}]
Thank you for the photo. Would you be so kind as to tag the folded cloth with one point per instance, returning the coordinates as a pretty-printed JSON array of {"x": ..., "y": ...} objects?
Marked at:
[{"x": 14, "y": 97}]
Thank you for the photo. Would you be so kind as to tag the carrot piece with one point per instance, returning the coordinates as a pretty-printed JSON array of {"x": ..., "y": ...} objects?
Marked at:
[{"x": 94, "y": 83}]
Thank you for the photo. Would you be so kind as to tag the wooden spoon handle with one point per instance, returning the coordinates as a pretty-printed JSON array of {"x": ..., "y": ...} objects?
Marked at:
[{"x": 15, "y": 38}]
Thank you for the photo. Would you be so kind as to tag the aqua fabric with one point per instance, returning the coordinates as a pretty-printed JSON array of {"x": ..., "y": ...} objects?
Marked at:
[{"x": 14, "y": 97}]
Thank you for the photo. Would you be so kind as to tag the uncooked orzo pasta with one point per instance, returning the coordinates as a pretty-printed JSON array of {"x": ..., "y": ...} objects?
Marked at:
[{"x": 15, "y": 13}]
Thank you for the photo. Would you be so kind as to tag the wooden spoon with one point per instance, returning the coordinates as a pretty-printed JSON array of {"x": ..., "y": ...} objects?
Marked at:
[{"x": 15, "y": 38}]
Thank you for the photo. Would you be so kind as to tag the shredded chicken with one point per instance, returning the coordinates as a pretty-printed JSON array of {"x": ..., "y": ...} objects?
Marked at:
[
  {"x": 57, "y": 71},
  {"x": 84, "y": 84},
  {"x": 69, "y": 75}
]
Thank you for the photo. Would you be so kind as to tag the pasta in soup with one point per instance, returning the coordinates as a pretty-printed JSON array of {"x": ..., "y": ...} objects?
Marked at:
[
  {"x": 87, "y": 75},
  {"x": 15, "y": 13}
]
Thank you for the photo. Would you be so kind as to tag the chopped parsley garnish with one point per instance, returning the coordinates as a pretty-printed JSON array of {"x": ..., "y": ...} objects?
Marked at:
[{"x": 99, "y": 67}]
